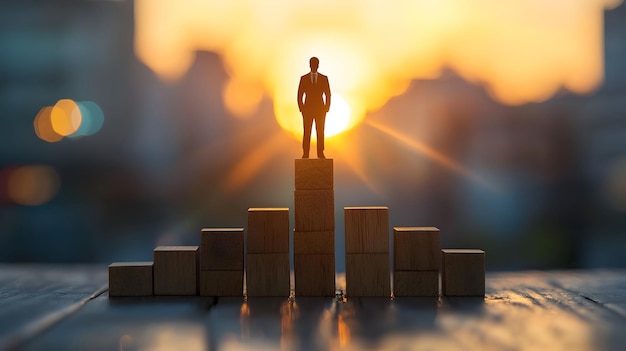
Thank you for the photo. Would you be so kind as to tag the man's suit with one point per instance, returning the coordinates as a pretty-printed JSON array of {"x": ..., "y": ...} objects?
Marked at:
[{"x": 313, "y": 108}]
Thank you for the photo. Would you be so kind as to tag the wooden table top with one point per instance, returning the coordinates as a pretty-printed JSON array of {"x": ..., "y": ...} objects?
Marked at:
[{"x": 45, "y": 307}]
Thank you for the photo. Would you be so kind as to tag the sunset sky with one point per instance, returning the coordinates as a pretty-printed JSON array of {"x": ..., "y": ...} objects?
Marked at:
[{"x": 521, "y": 51}]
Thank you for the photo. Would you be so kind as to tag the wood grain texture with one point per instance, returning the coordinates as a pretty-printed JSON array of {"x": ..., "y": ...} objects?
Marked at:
[
  {"x": 314, "y": 174},
  {"x": 58, "y": 307},
  {"x": 314, "y": 242},
  {"x": 176, "y": 270},
  {"x": 463, "y": 272},
  {"x": 130, "y": 279},
  {"x": 221, "y": 249},
  {"x": 267, "y": 275},
  {"x": 314, "y": 275},
  {"x": 268, "y": 230},
  {"x": 416, "y": 249},
  {"x": 366, "y": 229},
  {"x": 314, "y": 210},
  {"x": 368, "y": 275},
  {"x": 221, "y": 283},
  {"x": 416, "y": 283}
]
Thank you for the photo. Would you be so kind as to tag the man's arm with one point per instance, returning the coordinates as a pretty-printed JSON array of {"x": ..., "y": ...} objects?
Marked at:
[
  {"x": 300, "y": 95},
  {"x": 327, "y": 93}
]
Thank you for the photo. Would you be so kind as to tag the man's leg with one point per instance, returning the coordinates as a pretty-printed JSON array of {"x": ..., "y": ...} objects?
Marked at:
[
  {"x": 320, "y": 120},
  {"x": 307, "y": 121}
]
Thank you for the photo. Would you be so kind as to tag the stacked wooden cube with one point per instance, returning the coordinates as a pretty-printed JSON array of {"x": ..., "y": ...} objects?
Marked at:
[
  {"x": 314, "y": 234},
  {"x": 267, "y": 260},
  {"x": 367, "y": 251},
  {"x": 221, "y": 262},
  {"x": 417, "y": 260},
  {"x": 463, "y": 272}
]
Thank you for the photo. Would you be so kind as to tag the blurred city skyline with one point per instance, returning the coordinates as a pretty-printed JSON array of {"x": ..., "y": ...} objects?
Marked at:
[{"x": 537, "y": 185}]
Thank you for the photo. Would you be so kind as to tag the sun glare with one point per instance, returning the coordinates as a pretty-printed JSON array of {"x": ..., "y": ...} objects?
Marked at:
[
  {"x": 520, "y": 51},
  {"x": 338, "y": 118}
]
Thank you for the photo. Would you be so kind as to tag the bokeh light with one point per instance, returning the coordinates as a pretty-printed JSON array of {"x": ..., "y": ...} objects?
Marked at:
[
  {"x": 92, "y": 118},
  {"x": 65, "y": 117},
  {"x": 68, "y": 118},
  {"x": 32, "y": 185},
  {"x": 43, "y": 126},
  {"x": 371, "y": 50}
]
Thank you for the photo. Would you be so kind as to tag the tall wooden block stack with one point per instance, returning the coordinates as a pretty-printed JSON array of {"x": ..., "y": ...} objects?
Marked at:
[
  {"x": 221, "y": 262},
  {"x": 314, "y": 235},
  {"x": 417, "y": 260},
  {"x": 176, "y": 270},
  {"x": 367, "y": 251},
  {"x": 463, "y": 272},
  {"x": 267, "y": 260}
]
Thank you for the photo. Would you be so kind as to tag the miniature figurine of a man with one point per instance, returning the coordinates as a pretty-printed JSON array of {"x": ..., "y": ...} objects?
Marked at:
[{"x": 316, "y": 90}]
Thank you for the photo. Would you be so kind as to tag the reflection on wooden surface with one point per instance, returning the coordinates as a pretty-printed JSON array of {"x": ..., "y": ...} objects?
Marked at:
[{"x": 49, "y": 308}]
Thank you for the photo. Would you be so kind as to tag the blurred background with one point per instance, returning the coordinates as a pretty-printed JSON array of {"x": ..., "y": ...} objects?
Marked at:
[{"x": 131, "y": 124}]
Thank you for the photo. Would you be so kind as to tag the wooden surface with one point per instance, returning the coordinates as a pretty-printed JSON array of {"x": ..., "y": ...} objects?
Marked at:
[
  {"x": 130, "y": 279},
  {"x": 267, "y": 274},
  {"x": 221, "y": 249},
  {"x": 314, "y": 210},
  {"x": 416, "y": 283},
  {"x": 463, "y": 272},
  {"x": 176, "y": 270},
  {"x": 314, "y": 242},
  {"x": 314, "y": 174},
  {"x": 416, "y": 249},
  {"x": 368, "y": 275},
  {"x": 366, "y": 229},
  {"x": 268, "y": 230},
  {"x": 221, "y": 283},
  {"x": 314, "y": 274},
  {"x": 65, "y": 308}
]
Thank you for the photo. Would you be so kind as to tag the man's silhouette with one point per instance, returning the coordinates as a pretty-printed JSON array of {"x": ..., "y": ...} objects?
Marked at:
[{"x": 314, "y": 107}]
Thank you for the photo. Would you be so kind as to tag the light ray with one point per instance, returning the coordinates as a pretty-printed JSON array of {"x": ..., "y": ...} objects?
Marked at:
[
  {"x": 434, "y": 155},
  {"x": 251, "y": 164}
]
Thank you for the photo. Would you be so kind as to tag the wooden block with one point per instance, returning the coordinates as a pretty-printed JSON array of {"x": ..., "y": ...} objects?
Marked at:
[
  {"x": 130, "y": 279},
  {"x": 314, "y": 242},
  {"x": 416, "y": 283},
  {"x": 267, "y": 274},
  {"x": 268, "y": 230},
  {"x": 416, "y": 249},
  {"x": 463, "y": 272},
  {"x": 368, "y": 275},
  {"x": 221, "y": 283},
  {"x": 221, "y": 249},
  {"x": 176, "y": 270},
  {"x": 314, "y": 275},
  {"x": 314, "y": 210},
  {"x": 314, "y": 174},
  {"x": 366, "y": 229}
]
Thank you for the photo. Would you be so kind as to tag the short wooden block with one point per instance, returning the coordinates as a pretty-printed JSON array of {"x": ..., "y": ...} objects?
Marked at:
[
  {"x": 366, "y": 229},
  {"x": 314, "y": 242},
  {"x": 463, "y": 272},
  {"x": 368, "y": 275},
  {"x": 314, "y": 174},
  {"x": 314, "y": 210},
  {"x": 221, "y": 249},
  {"x": 130, "y": 279},
  {"x": 268, "y": 230},
  {"x": 416, "y": 283},
  {"x": 416, "y": 249},
  {"x": 221, "y": 283},
  {"x": 176, "y": 270},
  {"x": 314, "y": 275},
  {"x": 267, "y": 274}
]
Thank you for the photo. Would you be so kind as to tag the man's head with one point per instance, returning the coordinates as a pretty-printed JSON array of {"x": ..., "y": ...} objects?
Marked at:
[{"x": 314, "y": 62}]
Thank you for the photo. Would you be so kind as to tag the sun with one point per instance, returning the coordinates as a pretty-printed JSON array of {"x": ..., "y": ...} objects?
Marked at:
[{"x": 338, "y": 117}]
